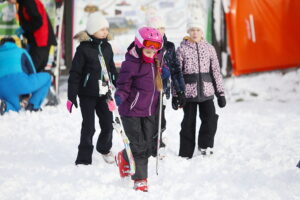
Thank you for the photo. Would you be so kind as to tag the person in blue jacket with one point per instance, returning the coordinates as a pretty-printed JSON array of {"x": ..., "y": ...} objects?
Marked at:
[{"x": 18, "y": 77}]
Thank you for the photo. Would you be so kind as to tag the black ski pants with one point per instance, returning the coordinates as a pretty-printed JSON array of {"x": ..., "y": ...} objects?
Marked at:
[
  {"x": 208, "y": 128},
  {"x": 39, "y": 56},
  {"x": 140, "y": 131},
  {"x": 163, "y": 128},
  {"x": 88, "y": 106}
]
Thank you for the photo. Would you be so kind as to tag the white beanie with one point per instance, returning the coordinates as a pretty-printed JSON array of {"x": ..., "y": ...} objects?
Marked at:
[
  {"x": 95, "y": 22},
  {"x": 155, "y": 21},
  {"x": 195, "y": 22}
]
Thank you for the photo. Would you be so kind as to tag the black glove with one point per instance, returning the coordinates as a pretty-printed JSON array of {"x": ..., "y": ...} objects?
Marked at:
[
  {"x": 221, "y": 101},
  {"x": 175, "y": 103},
  {"x": 72, "y": 94},
  {"x": 181, "y": 99}
]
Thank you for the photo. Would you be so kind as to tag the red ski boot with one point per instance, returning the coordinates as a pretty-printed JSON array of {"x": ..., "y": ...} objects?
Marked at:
[
  {"x": 141, "y": 185},
  {"x": 123, "y": 165}
]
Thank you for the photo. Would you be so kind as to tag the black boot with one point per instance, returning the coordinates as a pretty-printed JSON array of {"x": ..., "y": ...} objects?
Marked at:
[
  {"x": 84, "y": 155},
  {"x": 30, "y": 108},
  {"x": 2, "y": 107}
]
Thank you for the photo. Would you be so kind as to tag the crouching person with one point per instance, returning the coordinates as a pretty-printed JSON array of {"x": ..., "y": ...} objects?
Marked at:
[{"x": 18, "y": 77}]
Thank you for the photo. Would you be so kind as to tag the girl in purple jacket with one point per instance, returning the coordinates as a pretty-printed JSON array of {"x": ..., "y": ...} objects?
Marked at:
[{"x": 137, "y": 97}]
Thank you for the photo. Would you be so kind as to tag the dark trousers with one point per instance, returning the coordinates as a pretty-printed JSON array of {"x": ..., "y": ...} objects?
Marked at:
[
  {"x": 163, "y": 128},
  {"x": 39, "y": 56},
  {"x": 209, "y": 120},
  {"x": 140, "y": 131},
  {"x": 88, "y": 107}
]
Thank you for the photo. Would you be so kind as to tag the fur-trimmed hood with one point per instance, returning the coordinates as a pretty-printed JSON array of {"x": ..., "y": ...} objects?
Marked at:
[
  {"x": 188, "y": 41},
  {"x": 83, "y": 36}
]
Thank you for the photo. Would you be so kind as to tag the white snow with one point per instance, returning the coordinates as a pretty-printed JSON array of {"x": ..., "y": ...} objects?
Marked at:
[{"x": 256, "y": 151}]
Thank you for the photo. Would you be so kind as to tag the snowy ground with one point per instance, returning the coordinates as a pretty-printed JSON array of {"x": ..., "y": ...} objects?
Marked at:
[{"x": 256, "y": 151}]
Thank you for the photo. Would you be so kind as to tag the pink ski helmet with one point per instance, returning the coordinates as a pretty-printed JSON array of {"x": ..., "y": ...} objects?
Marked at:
[{"x": 150, "y": 38}]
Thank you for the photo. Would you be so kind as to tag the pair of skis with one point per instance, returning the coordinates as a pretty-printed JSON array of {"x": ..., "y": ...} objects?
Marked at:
[
  {"x": 59, "y": 26},
  {"x": 117, "y": 124},
  {"x": 54, "y": 66}
]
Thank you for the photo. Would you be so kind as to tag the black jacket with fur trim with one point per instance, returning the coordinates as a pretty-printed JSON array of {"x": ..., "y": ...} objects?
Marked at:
[{"x": 86, "y": 68}]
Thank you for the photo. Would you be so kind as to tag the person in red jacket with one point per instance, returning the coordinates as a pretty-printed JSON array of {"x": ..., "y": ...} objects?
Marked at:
[{"x": 37, "y": 28}]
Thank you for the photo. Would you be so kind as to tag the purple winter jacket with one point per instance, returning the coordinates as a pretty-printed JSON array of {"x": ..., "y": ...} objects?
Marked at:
[{"x": 136, "y": 87}]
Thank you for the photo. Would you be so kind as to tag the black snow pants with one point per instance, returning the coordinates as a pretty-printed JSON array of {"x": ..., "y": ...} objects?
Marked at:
[
  {"x": 209, "y": 120},
  {"x": 89, "y": 105},
  {"x": 39, "y": 56},
  {"x": 163, "y": 128},
  {"x": 140, "y": 131}
]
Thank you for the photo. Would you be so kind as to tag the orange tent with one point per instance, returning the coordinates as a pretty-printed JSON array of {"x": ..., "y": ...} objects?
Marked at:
[{"x": 263, "y": 34}]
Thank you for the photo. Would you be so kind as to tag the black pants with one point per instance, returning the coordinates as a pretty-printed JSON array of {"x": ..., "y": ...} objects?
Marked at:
[
  {"x": 163, "y": 128},
  {"x": 39, "y": 56},
  {"x": 139, "y": 131},
  {"x": 209, "y": 120},
  {"x": 88, "y": 107}
]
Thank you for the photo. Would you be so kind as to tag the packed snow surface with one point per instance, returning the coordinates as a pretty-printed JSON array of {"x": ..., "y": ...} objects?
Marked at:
[{"x": 257, "y": 147}]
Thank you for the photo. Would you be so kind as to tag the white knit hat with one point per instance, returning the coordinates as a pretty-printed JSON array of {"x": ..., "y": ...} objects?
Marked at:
[
  {"x": 155, "y": 21},
  {"x": 195, "y": 22},
  {"x": 95, "y": 22}
]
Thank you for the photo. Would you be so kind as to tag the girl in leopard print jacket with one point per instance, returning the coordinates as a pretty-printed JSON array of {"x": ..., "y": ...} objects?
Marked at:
[{"x": 203, "y": 80}]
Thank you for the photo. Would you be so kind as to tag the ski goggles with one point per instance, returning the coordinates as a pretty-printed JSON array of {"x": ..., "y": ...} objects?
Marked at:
[{"x": 152, "y": 44}]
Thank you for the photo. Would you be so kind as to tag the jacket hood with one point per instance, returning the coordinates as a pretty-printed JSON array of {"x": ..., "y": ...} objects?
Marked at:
[
  {"x": 132, "y": 54},
  {"x": 8, "y": 45},
  {"x": 188, "y": 41},
  {"x": 83, "y": 36}
]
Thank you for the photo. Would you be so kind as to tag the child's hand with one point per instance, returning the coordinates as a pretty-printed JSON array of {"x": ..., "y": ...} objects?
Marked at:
[
  {"x": 111, "y": 105},
  {"x": 70, "y": 105},
  {"x": 175, "y": 103},
  {"x": 118, "y": 100},
  {"x": 19, "y": 31},
  {"x": 221, "y": 101},
  {"x": 165, "y": 74},
  {"x": 181, "y": 99}
]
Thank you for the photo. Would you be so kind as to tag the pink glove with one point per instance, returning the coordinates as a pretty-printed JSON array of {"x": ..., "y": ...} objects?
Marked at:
[
  {"x": 69, "y": 106},
  {"x": 111, "y": 105}
]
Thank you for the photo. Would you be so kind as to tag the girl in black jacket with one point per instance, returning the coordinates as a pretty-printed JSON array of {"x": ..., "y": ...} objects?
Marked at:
[{"x": 85, "y": 77}]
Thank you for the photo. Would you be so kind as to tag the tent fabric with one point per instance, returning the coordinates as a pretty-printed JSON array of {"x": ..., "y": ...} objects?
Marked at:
[{"x": 263, "y": 35}]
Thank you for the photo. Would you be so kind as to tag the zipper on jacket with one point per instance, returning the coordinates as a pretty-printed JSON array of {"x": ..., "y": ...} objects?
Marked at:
[
  {"x": 153, "y": 90},
  {"x": 135, "y": 100},
  {"x": 200, "y": 78},
  {"x": 86, "y": 79}
]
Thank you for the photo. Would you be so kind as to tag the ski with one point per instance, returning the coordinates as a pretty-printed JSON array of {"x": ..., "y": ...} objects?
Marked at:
[
  {"x": 117, "y": 124},
  {"x": 54, "y": 66},
  {"x": 58, "y": 49}
]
